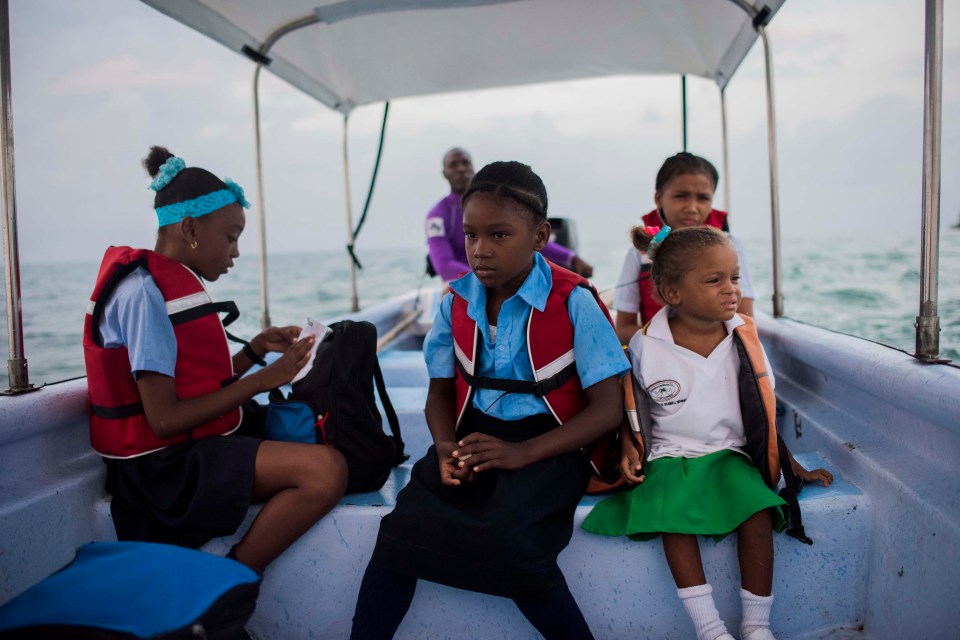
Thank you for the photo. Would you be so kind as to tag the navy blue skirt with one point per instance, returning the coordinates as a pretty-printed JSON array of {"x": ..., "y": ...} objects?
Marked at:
[
  {"x": 500, "y": 535},
  {"x": 188, "y": 493}
]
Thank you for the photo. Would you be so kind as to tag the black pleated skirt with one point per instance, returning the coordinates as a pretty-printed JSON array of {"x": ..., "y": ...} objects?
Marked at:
[
  {"x": 188, "y": 493},
  {"x": 500, "y": 535}
]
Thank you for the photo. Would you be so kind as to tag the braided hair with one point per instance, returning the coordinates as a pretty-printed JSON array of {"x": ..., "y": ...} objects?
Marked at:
[
  {"x": 676, "y": 253},
  {"x": 514, "y": 181}
]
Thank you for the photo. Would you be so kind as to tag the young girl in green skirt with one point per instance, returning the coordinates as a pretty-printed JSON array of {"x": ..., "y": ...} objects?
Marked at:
[{"x": 697, "y": 478}]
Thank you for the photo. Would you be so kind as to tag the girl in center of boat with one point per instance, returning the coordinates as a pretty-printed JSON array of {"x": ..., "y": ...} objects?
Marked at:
[
  {"x": 524, "y": 370},
  {"x": 697, "y": 475},
  {"x": 165, "y": 401}
]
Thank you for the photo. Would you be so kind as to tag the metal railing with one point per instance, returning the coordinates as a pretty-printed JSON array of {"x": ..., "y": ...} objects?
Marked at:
[{"x": 17, "y": 361}]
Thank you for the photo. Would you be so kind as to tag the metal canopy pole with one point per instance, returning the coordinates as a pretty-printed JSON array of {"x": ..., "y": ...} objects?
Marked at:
[
  {"x": 354, "y": 300},
  {"x": 726, "y": 150},
  {"x": 261, "y": 214},
  {"x": 774, "y": 184},
  {"x": 17, "y": 362},
  {"x": 261, "y": 58},
  {"x": 928, "y": 322},
  {"x": 683, "y": 108},
  {"x": 760, "y": 19}
]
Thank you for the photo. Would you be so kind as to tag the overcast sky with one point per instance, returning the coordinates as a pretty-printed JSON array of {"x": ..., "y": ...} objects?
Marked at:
[{"x": 97, "y": 82}]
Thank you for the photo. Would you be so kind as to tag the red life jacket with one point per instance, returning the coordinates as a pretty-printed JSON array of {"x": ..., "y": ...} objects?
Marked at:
[
  {"x": 549, "y": 345},
  {"x": 650, "y": 302},
  {"x": 118, "y": 426}
]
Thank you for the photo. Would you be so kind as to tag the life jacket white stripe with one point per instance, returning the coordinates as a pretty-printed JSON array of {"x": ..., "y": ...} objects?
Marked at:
[
  {"x": 175, "y": 306},
  {"x": 143, "y": 453},
  {"x": 187, "y": 302},
  {"x": 554, "y": 367},
  {"x": 536, "y": 372},
  {"x": 634, "y": 420},
  {"x": 469, "y": 397},
  {"x": 462, "y": 357}
]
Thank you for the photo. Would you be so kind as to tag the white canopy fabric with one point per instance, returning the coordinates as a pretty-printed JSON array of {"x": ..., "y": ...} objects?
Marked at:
[{"x": 355, "y": 52}]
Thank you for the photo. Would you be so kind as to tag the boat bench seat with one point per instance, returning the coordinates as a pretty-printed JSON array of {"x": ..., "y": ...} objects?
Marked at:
[{"x": 311, "y": 589}]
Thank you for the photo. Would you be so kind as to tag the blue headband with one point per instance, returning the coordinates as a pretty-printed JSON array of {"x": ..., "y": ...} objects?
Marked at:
[
  {"x": 208, "y": 203},
  {"x": 201, "y": 206}
]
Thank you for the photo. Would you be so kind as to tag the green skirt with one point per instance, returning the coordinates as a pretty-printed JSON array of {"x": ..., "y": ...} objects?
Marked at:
[{"x": 711, "y": 495}]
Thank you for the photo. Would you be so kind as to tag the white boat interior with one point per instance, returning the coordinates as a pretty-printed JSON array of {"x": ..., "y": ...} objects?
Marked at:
[
  {"x": 886, "y": 533},
  {"x": 885, "y": 561}
]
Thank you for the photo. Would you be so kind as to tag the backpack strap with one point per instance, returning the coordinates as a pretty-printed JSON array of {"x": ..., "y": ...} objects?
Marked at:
[
  {"x": 228, "y": 306},
  {"x": 390, "y": 411},
  {"x": 791, "y": 487}
]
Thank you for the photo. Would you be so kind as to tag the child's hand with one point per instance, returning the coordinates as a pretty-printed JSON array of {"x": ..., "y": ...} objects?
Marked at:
[
  {"x": 630, "y": 464},
  {"x": 486, "y": 452},
  {"x": 286, "y": 366},
  {"x": 275, "y": 339},
  {"x": 451, "y": 474},
  {"x": 821, "y": 475}
]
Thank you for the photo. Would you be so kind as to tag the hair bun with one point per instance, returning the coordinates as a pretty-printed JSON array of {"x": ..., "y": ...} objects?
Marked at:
[
  {"x": 641, "y": 236},
  {"x": 155, "y": 159}
]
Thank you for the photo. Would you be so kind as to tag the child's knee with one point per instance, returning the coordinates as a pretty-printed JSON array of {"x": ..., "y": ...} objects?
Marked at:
[{"x": 326, "y": 473}]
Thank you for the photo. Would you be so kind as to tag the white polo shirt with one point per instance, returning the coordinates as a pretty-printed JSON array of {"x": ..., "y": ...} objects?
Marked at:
[{"x": 695, "y": 401}]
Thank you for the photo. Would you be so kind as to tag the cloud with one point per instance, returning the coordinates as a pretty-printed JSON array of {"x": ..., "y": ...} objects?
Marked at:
[{"x": 128, "y": 72}]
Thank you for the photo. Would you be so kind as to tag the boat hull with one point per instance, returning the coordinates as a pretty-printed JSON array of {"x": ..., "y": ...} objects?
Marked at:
[{"x": 886, "y": 534}]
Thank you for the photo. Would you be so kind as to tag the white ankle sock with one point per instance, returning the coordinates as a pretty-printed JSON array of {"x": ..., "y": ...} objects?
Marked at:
[
  {"x": 698, "y": 601},
  {"x": 756, "y": 611}
]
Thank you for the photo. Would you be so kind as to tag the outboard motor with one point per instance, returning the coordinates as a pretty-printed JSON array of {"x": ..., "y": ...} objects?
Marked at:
[{"x": 563, "y": 232}]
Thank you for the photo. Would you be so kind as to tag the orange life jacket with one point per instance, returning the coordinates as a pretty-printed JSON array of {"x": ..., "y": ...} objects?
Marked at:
[{"x": 758, "y": 406}]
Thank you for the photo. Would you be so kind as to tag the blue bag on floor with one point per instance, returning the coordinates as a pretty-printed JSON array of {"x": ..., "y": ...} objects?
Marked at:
[{"x": 136, "y": 590}]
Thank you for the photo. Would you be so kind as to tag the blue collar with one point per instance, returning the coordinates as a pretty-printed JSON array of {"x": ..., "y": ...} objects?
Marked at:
[{"x": 534, "y": 291}]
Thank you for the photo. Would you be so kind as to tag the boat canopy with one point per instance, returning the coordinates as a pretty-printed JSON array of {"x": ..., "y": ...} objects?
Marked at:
[{"x": 355, "y": 52}]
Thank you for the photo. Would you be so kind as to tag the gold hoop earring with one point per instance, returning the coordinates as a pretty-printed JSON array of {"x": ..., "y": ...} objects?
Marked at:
[{"x": 193, "y": 245}]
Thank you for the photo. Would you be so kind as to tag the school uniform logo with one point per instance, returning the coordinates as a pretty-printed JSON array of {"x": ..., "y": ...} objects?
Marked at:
[
  {"x": 435, "y": 228},
  {"x": 663, "y": 391}
]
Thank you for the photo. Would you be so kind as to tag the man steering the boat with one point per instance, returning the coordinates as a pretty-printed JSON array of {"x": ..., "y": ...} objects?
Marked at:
[{"x": 444, "y": 226}]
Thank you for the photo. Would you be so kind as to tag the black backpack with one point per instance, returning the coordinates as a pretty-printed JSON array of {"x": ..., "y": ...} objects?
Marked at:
[{"x": 339, "y": 387}]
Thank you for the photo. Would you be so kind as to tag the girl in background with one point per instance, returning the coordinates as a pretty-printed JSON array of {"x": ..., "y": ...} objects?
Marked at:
[{"x": 684, "y": 197}]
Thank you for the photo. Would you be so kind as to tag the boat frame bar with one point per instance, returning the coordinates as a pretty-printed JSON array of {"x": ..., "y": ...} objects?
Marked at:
[
  {"x": 774, "y": 180},
  {"x": 17, "y": 362},
  {"x": 760, "y": 19},
  {"x": 260, "y": 57},
  {"x": 928, "y": 322}
]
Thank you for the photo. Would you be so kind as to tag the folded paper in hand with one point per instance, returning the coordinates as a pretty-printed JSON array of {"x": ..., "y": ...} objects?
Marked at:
[{"x": 319, "y": 331}]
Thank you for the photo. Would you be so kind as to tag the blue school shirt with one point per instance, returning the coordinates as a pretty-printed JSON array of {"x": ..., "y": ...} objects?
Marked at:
[
  {"x": 135, "y": 317},
  {"x": 596, "y": 348}
]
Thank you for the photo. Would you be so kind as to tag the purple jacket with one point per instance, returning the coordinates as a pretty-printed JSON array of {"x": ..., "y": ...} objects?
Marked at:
[{"x": 445, "y": 240}]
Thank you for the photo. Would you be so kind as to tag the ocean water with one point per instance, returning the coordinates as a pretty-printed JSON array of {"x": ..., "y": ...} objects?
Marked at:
[{"x": 862, "y": 286}]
